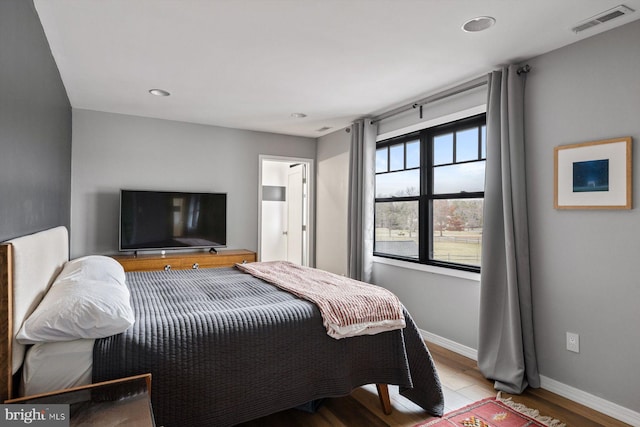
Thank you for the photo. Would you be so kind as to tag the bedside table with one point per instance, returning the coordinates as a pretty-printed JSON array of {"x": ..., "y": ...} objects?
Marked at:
[{"x": 122, "y": 402}]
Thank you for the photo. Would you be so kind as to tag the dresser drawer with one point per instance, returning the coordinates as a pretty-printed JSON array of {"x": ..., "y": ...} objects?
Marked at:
[{"x": 185, "y": 261}]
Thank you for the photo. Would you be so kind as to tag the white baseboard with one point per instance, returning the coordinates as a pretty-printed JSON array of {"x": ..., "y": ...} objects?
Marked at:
[
  {"x": 589, "y": 400},
  {"x": 469, "y": 352}
]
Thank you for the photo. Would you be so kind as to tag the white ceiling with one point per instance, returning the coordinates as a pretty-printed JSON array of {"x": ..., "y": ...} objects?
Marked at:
[{"x": 250, "y": 64}]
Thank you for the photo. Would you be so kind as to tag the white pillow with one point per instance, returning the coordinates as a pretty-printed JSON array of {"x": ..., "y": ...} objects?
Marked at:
[{"x": 88, "y": 299}]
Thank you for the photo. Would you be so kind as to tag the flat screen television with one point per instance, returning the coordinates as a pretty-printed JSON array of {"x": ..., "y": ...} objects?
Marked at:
[{"x": 158, "y": 220}]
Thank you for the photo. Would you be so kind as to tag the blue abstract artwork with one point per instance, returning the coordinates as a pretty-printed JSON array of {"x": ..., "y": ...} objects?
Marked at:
[{"x": 592, "y": 175}]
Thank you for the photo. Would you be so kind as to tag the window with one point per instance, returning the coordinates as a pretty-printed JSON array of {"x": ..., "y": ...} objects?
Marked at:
[{"x": 430, "y": 193}]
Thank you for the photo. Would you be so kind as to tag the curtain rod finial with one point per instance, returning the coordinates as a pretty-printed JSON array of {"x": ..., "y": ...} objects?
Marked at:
[{"x": 524, "y": 69}]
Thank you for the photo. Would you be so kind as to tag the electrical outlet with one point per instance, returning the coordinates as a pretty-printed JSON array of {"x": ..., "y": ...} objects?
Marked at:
[{"x": 573, "y": 342}]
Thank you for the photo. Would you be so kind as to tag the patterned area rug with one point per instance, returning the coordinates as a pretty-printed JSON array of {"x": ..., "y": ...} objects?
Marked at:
[{"x": 493, "y": 412}]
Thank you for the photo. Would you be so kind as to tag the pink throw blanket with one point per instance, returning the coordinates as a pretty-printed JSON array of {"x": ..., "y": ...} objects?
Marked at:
[{"x": 348, "y": 307}]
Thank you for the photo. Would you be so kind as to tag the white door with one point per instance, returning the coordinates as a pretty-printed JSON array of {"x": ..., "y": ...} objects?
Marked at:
[
  {"x": 273, "y": 215},
  {"x": 296, "y": 223},
  {"x": 285, "y": 223}
]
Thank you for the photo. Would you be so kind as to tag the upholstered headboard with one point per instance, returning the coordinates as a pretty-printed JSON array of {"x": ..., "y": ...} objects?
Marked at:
[{"x": 31, "y": 262}]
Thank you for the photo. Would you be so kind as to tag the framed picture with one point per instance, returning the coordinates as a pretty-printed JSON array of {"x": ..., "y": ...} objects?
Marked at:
[{"x": 593, "y": 175}]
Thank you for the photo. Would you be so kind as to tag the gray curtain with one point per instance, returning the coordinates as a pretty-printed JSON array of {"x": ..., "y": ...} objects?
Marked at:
[
  {"x": 506, "y": 350},
  {"x": 361, "y": 199}
]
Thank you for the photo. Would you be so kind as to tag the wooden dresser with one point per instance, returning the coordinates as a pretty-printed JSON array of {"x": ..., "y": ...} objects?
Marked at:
[{"x": 185, "y": 261}]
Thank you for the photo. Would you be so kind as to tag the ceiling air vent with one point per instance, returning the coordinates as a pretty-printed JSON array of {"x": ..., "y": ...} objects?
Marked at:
[{"x": 603, "y": 17}]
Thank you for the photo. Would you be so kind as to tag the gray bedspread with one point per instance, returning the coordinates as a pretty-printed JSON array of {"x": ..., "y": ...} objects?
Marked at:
[{"x": 224, "y": 347}]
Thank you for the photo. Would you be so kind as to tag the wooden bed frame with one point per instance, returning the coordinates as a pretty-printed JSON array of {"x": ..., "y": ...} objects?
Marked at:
[
  {"x": 8, "y": 311},
  {"x": 28, "y": 266}
]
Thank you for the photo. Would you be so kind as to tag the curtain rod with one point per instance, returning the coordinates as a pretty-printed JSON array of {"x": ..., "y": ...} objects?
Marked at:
[
  {"x": 461, "y": 88},
  {"x": 464, "y": 87}
]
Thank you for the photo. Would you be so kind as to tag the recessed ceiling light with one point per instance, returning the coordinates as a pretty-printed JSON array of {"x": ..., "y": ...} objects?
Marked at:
[
  {"x": 298, "y": 115},
  {"x": 159, "y": 92},
  {"x": 479, "y": 23}
]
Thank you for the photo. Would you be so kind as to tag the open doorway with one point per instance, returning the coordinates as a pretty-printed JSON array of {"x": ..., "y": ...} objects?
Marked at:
[{"x": 285, "y": 205}]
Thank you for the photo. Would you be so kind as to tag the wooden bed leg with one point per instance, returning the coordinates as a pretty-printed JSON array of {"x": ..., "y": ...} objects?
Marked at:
[{"x": 385, "y": 401}]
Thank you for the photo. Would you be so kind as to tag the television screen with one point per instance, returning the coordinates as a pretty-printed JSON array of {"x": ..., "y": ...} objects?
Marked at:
[{"x": 172, "y": 220}]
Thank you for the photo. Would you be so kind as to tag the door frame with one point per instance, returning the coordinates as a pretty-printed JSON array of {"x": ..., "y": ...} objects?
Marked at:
[{"x": 311, "y": 229}]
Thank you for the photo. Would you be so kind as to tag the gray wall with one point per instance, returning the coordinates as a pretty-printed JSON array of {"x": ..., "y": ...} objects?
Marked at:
[
  {"x": 331, "y": 207},
  {"x": 443, "y": 305},
  {"x": 114, "y": 151},
  {"x": 585, "y": 264},
  {"x": 35, "y": 127}
]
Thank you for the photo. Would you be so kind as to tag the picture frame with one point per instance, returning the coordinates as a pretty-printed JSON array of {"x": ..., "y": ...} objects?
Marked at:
[{"x": 593, "y": 175}]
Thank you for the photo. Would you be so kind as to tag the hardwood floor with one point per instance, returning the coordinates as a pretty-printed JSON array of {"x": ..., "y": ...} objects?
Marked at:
[{"x": 462, "y": 384}]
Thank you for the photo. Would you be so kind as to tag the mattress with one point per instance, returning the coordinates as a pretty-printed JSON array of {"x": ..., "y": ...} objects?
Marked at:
[{"x": 57, "y": 365}]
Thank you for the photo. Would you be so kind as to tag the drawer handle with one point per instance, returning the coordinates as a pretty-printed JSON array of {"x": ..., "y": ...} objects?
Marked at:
[
  {"x": 195, "y": 266},
  {"x": 167, "y": 267}
]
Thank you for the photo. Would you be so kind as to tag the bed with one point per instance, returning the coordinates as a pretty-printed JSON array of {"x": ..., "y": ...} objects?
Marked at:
[{"x": 259, "y": 350}]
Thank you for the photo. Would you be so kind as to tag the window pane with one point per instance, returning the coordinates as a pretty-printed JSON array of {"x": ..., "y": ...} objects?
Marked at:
[
  {"x": 467, "y": 145},
  {"x": 483, "y": 141},
  {"x": 403, "y": 183},
  {"x": 443, "y": 149},
  {"x": 397, "y": 228},
  {"x": 466, "y": 177},
  {"x": 396, "y": 152},
  {"x": 413, "y": 154},
  {"x": 381, "y": 160},
  {"x": 457, "y": 231}
]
